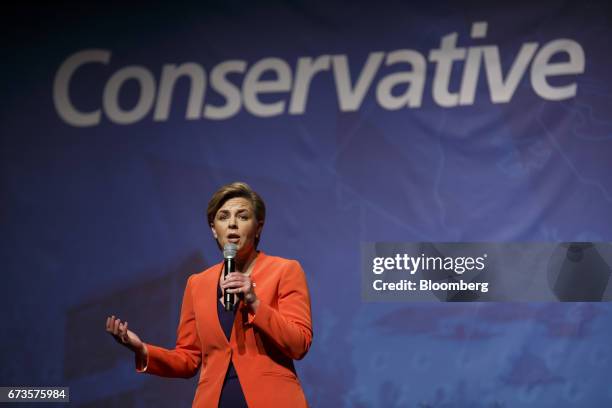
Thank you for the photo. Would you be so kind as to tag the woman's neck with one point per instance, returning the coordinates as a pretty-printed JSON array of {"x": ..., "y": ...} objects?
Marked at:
[{"x": 242, "y": 263}]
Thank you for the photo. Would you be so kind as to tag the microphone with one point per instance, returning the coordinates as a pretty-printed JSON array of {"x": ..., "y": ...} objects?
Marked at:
[{"x": 229, "y": 265}]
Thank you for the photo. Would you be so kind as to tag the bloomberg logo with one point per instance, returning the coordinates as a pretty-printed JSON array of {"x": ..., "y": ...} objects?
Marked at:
[{"x": 560, "y": 57}]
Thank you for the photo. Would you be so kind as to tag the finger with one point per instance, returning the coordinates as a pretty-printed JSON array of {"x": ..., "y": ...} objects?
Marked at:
[
  {"x": 238, "y": 289},
  {"x": 116, "y": 326},
  {"x": 110, "y": 321},
  {"x": 232, "y": 282},
  {"x": 234, "y": 285},
  {"x": 238, "y": 278},
  {"x": 227, "y": 281},
  {"x": 124, "y": 336}
]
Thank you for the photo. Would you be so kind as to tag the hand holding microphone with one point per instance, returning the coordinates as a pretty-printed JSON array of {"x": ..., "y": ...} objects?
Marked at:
[
  {"x": 235, "y": 282},
  {"x": 229, "y": 266}
]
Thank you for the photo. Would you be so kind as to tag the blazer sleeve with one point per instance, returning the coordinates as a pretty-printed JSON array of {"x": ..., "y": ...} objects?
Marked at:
[
  {"x": 184, "y": 360},
  {"x": 290, "y": 327}
]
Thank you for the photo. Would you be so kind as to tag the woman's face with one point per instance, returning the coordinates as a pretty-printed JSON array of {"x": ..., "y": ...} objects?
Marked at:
[{"x": 235, "y": 223}]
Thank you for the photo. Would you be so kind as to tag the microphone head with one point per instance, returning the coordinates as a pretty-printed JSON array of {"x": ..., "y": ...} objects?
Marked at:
[{"x": 229, "y": 250}]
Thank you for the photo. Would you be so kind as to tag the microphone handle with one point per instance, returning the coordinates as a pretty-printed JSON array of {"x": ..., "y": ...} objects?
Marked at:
[{"x": 229, "y": 265}]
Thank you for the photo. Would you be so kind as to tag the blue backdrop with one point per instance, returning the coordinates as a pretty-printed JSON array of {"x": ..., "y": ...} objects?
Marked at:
[{"x": 496, "y": 127}]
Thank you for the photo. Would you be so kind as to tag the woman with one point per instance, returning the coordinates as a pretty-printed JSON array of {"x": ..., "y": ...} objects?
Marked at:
[{"x": 246, "y": 355}]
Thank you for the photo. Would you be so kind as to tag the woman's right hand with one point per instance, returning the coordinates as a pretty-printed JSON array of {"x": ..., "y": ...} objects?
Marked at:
[{"x": 123, "y": 336}]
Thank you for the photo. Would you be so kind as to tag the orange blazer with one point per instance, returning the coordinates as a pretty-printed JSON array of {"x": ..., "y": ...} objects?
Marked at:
[{"x": 262, "y": 346}]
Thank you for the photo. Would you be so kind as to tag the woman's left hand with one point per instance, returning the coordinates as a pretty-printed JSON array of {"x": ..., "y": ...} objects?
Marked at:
[{"x": 237, "y": 282}]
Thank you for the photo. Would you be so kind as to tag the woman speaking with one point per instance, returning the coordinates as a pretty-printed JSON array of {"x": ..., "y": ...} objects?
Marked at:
[{"x": 246, "y": 353}]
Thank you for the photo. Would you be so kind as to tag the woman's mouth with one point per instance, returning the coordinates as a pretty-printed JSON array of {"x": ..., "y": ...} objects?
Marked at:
[{"x": 233, "y": 238}]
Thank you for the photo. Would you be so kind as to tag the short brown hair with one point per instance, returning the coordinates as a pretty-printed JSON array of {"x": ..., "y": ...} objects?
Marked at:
[{"x": 233, "y": 190}]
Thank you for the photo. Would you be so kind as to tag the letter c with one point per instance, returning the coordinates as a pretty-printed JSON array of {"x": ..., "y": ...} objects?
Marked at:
[
  {"x": 376, "y": 284},
  {"x": 61, "y": 86}
]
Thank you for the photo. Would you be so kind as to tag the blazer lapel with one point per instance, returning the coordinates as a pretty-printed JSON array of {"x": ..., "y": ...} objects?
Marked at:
[
  {"x": 241, "y": 321},
  {"x": 214, "y": 325}
]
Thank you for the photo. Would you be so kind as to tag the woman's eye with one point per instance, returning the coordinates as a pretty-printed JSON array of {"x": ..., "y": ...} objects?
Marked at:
[{"x": 244, "y": 217}]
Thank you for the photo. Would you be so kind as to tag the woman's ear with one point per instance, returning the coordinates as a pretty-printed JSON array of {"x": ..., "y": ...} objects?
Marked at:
[
  {"x": 259, "y": 229},
  {"x": 212, "y": 228}
]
